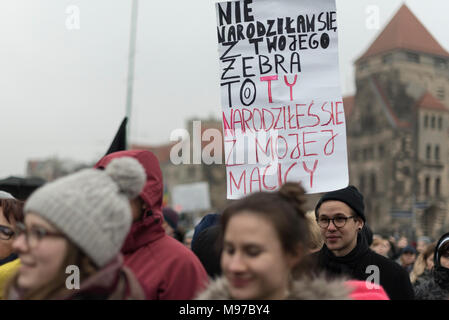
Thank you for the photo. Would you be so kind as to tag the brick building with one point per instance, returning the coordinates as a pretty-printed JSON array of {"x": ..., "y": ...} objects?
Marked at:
[{"x": 398, "y": 129}]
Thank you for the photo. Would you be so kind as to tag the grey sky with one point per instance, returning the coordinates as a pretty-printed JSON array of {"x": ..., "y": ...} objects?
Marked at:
[{"x": 63, "y": 91}]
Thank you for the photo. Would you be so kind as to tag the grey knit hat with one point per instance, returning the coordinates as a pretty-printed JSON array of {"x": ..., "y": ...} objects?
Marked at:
[
  {"x": 91, "y": 207},
  {"x": 6, "y": 196}
]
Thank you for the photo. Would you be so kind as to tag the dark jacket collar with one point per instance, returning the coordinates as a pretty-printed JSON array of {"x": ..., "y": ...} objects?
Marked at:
[{"x": 10, "y": 258}]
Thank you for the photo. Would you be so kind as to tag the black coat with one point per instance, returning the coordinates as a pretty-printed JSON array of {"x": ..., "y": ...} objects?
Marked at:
[
  {"x": 392, "y": 277},
  {"x": 434, "y": 287}
]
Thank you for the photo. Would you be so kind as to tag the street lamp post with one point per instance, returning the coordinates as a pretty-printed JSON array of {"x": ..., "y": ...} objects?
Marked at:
[{"x": 131, "y": 57}]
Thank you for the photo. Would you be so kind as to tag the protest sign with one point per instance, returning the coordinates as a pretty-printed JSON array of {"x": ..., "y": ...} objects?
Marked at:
[
  {"x": 283, "y": 116},
  {"x": 191, "y": 197}
]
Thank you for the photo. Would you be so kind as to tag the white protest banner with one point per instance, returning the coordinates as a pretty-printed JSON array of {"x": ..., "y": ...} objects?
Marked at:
[
  {"x": 191, "y": 197},
  {"x": 283, "y": 116}
]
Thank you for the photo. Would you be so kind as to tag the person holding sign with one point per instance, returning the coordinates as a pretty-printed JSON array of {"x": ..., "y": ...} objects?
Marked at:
[
  {"x": 341, "y": 217},
  {"x": 265, "y": 244}
]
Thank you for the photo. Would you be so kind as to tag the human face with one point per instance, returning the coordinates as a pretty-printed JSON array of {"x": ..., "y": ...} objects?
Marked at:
[
  {"x": 429, "y": 262},
  {"x": 408, "y": 258},
  {"x": 253, "y": 260},
  {"x": 342, "y": 240},
  {"x": 444, "y": 259},
  {"x": 42, "y": 262},
  {"x": 6, "y": 245},
  {"x": 421, "y": 246},
  {"x": 385, "y": 248}
]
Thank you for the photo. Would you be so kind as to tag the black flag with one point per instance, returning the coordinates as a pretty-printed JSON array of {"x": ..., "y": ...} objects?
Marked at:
[{"x": 119, "y": 142}]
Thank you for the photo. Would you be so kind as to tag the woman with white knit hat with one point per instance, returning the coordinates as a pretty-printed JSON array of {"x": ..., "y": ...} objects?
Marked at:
[{"x": 74, "y": 228}]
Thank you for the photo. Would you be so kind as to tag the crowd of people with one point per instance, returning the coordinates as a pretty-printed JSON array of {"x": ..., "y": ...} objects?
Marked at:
[{"x": 103, "y": 233}]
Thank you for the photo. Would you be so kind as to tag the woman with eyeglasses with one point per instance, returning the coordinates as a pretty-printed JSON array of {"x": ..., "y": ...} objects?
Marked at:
[
  {"x": 265, "y": 241},
  {"x": 10, "y": 214},
  {"x": 72, "y": 233}
]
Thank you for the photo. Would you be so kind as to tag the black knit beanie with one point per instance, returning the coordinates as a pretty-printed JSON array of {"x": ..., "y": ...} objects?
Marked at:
[{"x": 349, "y": 195}]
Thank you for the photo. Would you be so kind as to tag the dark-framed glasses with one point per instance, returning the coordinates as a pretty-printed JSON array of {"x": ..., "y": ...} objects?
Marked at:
[
  {"x": 339, "y": 222},
  {"x": 35, "y": 234},
  {"x": 6, "y": 232}
]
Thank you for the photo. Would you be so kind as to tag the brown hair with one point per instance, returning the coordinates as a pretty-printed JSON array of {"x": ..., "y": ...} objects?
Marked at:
[
  {"x": 12, "y": 210},
  {"x": 283, "y": 209},
  {"x": 56, "y": 288},
  {"x": 316, "y": 241},
  {"x": 420, "y": 264},
  {"x": 376, "y": 242}
]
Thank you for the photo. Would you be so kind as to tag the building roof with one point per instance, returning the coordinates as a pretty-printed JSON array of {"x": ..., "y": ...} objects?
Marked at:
[
  {"x": 428, "y": 101},
  {"x": 405, "y": 31}
]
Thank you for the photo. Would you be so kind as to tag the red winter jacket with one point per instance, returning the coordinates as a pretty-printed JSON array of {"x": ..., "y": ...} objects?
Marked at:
[{"x": 166, "y": 269}]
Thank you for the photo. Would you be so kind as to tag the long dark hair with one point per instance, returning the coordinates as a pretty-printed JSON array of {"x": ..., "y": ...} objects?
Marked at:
[{"x": 284, "y": 210}]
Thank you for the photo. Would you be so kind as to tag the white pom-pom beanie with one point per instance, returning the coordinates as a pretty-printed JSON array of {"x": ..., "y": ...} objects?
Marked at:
[{"x": 91, "y": 207}]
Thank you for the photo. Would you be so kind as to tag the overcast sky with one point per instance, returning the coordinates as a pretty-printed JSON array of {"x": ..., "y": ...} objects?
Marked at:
[{"x": 63, "y": 91}]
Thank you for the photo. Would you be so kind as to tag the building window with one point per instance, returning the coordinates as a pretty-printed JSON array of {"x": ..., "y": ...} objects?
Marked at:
[
  {"x": 363, "y": 65},
  {"x": 381, "y": 151},
  {"x": 440, "y": 63},
  {"x": 432, "y": 122},
  {"x": 373, "y": 183},
  {"x": 426, "y": 121},
  {"x": 427, "y": 186},
  {"x": 437, "y": 152},
  {"x": 440, "y": 93},
  {"x": 428, "y": 151},
  {"x": 404, "y": 144},
  {"x": 388, "y": 58},
  {"x": 413, "y": 57},
  {"x": 362, "y": 183},
  {"x": 371, "y": 153},
  {"x": 355, "y": 155},
  {"x": 440, "y": 123},
  {"x": 437, "y": 187},
  {"x": 365, "y": 154}
]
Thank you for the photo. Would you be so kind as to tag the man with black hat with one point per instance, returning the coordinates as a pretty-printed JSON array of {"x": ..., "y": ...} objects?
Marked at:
[
  {"x": 341, "y": 217},
  {"x": 407, "y": 258}
]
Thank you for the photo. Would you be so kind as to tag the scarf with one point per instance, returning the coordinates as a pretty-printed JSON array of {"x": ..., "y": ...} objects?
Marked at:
[
  {"x": 347, "y": 264},
  {"x": 441, "y": 276}
]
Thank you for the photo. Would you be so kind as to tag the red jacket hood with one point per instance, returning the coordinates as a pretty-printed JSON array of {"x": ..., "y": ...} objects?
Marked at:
[{"x": 149, "y": 228}]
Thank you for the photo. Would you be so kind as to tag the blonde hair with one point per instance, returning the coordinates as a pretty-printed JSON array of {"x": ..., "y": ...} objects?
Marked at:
[
  {"x": 376, "y": 242},
  {"x": 420, "y": 265},
  {"x": 316, "y": 241}
]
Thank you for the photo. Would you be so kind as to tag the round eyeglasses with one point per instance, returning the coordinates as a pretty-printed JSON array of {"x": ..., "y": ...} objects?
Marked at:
[
  {"x": 339, "y": 222},
  {"x": 35, "y": 234},
  {"x": 6, "y": 232}
]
